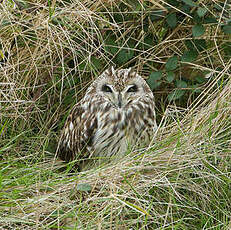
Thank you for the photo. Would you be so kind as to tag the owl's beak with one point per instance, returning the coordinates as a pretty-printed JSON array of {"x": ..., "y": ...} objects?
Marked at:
[{"x": 119, "y": 100}]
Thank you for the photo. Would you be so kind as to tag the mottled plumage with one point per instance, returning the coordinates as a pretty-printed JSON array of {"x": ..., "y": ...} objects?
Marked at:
[{"x": 117, "y": 111}]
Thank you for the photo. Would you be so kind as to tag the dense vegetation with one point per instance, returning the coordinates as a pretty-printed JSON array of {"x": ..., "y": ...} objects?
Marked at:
[{"x": 51, "y": 50}]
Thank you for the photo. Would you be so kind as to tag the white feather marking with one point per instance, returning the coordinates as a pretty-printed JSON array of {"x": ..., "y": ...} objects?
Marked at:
[
  {"x": 68, "y": 144},
  {"x": 71, "y": 126}
]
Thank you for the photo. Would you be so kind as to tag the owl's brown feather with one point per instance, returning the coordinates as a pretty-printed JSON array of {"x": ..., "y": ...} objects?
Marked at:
[
  {"x": 78, "y": 133},
  {"x": 117, "y": 110}
]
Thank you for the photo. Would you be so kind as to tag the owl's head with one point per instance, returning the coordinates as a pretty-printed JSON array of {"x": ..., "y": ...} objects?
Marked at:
[{"x": 120, "y": 87}]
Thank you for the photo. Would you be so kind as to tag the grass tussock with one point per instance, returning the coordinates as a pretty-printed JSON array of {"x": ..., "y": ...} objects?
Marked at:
[{"x": 50, "y": 51}]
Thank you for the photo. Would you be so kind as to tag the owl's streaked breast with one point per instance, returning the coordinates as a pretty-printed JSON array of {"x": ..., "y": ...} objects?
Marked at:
[
  {"x": 120, "y": 128},
  {"x": 117, "y": 111},
  {"x": 110, "y": 137}
]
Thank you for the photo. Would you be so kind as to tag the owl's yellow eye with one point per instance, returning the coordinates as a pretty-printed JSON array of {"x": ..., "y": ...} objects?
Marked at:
[
  {"x": 133, "y": 89},
  {"x": 106, "y": 88}
]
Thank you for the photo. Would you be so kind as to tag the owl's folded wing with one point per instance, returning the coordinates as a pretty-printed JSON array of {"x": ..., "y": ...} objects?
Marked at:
[{"x": 77, "y": 135}]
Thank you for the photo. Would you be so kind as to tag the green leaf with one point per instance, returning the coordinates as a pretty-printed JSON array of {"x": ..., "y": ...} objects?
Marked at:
[
  {"x": 227, "y": 29},
  {"x": 200, "y": 44},
  {"x": 176, "y": 94},
  {"x": 118, "y": 17},
  {"x": 124, "y": 55},
  {"x": 219, "y": 7},
  {"x": 97, "y": 63},
  {"x": 148, "y": 43},
  {"x": 153, "y": 80},
  {"x": 196, "y": 90},
  {"x": 173, "y": 3},
  {"x": 84, "y": 187},
  {"x": 189, "y": 44},
  {"x": 200, "y": 79},
  {"x": 135, "y": 4},
  {"x": 156, "y": 14},
  {"x": 210, "y": 20},
  {"x": 170, "y": 76},
  {"x": 186, "y": 8},
  {"x": 197, "y": 19},
  {"x": 111, "y": 46},
  {"x": 156, "y": 75},
  {"x": 171, "y": 63},
  {"x": 190, "y": 3},
  {"x": 172, "y": 20},
  {"x": 227, "y": 49},
  {"x": 201, "y": 11},
  {"x": 198, "y": 30},
  {"x": 181, "y": 84},
  {"x": 189, "y": 56}
]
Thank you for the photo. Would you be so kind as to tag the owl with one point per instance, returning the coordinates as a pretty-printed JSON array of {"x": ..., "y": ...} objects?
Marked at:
[{"x": 117, "y": 112}]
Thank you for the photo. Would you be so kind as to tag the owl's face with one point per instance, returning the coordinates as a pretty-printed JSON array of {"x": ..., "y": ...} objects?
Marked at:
[{"x": 121, "y": 87}]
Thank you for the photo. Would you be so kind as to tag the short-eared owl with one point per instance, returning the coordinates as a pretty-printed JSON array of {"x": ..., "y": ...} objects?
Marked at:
[{"x": 117, "y": 111}]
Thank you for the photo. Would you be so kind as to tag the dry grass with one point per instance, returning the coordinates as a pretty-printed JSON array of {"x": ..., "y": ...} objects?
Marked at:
[{"x": 50, "y": 52}]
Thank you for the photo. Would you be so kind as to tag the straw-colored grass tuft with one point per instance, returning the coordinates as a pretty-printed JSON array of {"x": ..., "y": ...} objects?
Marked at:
[{"x": 50, "y": 51}]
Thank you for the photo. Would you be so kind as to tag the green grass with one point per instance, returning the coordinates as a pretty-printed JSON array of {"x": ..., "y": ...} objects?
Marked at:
[{"x": 50, "y": 52}]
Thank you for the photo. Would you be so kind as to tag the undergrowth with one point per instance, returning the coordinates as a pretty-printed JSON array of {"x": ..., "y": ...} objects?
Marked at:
[{"x": 50, "y": 51}]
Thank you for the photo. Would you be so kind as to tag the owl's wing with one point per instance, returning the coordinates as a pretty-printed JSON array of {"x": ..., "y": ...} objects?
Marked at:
[{"x": 78, "y": 134}]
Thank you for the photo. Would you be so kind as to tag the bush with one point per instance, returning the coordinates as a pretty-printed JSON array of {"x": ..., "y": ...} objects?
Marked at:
[{"x": 51, "y": 50}]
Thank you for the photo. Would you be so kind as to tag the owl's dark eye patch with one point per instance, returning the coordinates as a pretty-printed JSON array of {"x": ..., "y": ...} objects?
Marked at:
[
  {"x": 133, "y": 89},
  {"x": 106, "y": 88}
]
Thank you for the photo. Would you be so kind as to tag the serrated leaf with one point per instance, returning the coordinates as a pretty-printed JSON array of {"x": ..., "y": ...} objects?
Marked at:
[
  {"x": 189, "y": 56},
  {"x": 84, "y": 187},
  {"x": 227, "y": 29},
  {"x": 171, "y": 63},
  {"x": 176, "y": 94},
  {"x": 172, "y": 20},
  {"x": 201, "y": 11},
  {"x": 153, "y": 80},
  {"x": 190, "y": 3},
  {"x": 170, "y": 76},
  {"x": 181, "y": 84},
  {"x": 198, "y": 30}
]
